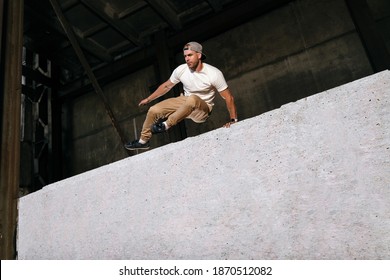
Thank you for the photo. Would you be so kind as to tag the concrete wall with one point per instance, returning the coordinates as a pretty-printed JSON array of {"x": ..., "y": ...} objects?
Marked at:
[
  {"x": 310, "y": 180},
  {"x": 303, "y": 48}
]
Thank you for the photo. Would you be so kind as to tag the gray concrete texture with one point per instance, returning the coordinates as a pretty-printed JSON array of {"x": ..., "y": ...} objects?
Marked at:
[{"x": 310, "y": 180}]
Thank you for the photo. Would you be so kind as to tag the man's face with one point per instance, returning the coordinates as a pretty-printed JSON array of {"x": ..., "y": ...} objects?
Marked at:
[{"x": 192, "y": 58}]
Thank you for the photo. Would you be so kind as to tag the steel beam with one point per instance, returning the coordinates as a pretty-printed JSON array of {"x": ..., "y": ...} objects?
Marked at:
[
  {"x": 166, "y": 12},
  {"x": 11, "y": 13},
  {"x": 73, "y": 40}
]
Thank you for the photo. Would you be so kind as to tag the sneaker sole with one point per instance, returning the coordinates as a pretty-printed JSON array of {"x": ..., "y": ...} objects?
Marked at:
[{"x": 133, "y": 149}]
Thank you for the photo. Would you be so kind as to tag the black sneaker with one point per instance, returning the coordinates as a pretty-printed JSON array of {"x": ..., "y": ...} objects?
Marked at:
[
  {"x": 158, "y": 128},
  {"x": 136, "y": 145}
]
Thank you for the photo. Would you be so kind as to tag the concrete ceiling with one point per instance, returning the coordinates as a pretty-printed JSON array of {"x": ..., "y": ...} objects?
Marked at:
[{"x": 121, "y": 34}]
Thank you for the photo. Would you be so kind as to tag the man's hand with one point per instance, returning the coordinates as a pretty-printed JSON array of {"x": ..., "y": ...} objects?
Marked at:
[
  {"x": 227, "y": 125},
  {"x": 144, "y": 102}
]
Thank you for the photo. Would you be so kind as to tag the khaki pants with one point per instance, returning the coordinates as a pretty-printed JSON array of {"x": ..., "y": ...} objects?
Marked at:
[{"x": 175, "y": 109}]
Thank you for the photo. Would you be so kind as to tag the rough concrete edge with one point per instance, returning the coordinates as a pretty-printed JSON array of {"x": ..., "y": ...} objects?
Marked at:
[{"x": 266, "y": 115}]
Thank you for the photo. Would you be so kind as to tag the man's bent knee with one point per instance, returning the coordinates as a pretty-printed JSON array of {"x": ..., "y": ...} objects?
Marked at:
[
  {"x": 193, "y": 100},
  {"x": 153, "y": 110}
]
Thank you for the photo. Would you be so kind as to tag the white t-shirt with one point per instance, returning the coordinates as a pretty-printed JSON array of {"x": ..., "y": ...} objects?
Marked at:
[{"x": 204, "y": 84}]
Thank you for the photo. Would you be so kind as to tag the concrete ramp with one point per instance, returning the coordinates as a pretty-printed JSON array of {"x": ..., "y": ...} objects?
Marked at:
[{"x": 310, "y": 180}]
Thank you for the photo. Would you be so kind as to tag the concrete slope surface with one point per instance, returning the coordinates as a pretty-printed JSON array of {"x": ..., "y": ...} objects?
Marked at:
[{"x": 310, "y": 180}]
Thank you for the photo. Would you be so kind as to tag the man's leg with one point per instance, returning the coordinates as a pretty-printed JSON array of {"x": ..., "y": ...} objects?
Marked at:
[
  {"x": 193, "y": 107},
  {"x": 159, "y": 111},
  {"x": 175, "y": 109}
]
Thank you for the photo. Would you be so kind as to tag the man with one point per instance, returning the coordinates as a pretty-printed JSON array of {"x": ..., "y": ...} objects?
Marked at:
[{"x": 200, "y": 82}]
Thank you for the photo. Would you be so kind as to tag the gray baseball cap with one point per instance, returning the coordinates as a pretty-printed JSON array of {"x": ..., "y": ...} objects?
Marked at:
[{"x": 196, "y": 47}]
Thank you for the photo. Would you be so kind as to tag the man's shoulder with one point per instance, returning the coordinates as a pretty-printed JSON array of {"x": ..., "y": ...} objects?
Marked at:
[
  {"x": 212, "y": 70},
  {"x": 181, "y": 67},
  {"x": 210, "y": 67},
  {"x": 178, "y": 72}
]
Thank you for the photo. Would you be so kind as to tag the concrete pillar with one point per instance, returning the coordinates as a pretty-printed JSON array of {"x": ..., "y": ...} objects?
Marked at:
[{"x": 11, "y": 14}]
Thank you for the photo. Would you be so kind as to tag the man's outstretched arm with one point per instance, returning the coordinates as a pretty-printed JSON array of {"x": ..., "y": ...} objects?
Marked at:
[
  {"x": 160, "y": 91},
  {"x": 230, "y": 105}
]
